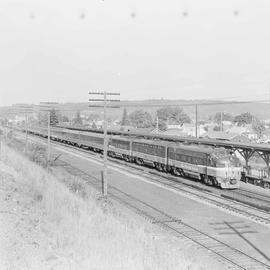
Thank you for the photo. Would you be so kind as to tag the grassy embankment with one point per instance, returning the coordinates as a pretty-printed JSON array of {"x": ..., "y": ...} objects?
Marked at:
[{"x": 94, "y": 235}]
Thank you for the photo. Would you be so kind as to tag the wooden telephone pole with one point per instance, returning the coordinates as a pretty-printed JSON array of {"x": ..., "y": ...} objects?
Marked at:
[
  {"x": 47, "y": 107},
  {"x": 26, "y": 110},
  {"x": 105, "y": 105}
]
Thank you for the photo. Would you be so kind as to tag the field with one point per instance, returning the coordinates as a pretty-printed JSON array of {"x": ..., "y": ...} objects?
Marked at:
[{"x": 54, "y": 221}]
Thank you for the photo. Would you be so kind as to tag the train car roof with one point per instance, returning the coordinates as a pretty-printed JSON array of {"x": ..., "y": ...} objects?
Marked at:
[
  {"x": 118, "y": 137},
  {"x": 195, "y": 148},
  {"x": 162, "y": 143},
  {"x": 90, "y": 134}
]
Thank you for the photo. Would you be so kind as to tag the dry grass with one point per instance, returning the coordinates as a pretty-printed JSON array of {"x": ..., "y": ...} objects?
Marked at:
[{"x": 79, "y": 229}]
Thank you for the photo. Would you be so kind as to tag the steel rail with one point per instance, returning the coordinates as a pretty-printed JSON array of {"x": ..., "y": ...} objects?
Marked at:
[
  {"x": 231, "y": 255},
  {"x": 250, "y": 212},
  {"x": 227, "y": 253},
  {"x": 251, "y": 194}
]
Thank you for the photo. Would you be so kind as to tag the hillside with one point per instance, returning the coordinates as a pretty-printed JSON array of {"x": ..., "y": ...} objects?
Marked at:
[
  {"x": 261, "y": 110},
  {"x": 45, "y": 225}
]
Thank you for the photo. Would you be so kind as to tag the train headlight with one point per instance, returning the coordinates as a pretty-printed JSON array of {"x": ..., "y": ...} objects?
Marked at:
[{"x": 233, "y": 181}]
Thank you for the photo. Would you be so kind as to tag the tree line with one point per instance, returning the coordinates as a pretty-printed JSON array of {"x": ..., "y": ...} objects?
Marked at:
[
  {"x": 166, "y": 116},
  {"x": 177, "y": 116}
]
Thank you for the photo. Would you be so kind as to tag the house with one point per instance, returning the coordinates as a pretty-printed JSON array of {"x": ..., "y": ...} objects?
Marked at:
[
  {"x": 170, "y": 126},
  {"x": 266, "y": 135},
  {"x": 190, "y": 129},
  {"x": 226, "y": 136},
  {"x": 226, "y": 125},
  {"x": 175, "y": 132},
  {"x": 246, "y": 130},
  {"x": 238, "y": 129}
]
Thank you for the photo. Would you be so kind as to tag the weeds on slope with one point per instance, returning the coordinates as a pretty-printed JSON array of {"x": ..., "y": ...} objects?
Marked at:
[
  {"x": 34, "y": 151},
  {"x": 79, "y": 229}
]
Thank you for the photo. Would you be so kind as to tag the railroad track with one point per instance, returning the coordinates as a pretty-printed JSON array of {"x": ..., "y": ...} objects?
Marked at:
[
  {"x": 206, "y": 196},
  {"x": 254, "y": 195},
  {"x": 235, "y": 258},
  {"x": 201, "y": 194}
]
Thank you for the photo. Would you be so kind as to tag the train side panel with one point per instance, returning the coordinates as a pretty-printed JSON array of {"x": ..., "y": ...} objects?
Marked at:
[{"x": 149, "y": 153}]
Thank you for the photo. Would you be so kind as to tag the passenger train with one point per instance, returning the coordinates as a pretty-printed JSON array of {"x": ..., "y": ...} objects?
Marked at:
[{"x": 213, "y": 166}]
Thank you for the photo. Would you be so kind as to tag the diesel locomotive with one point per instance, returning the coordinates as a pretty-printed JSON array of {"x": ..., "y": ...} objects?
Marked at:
[{"x": 213, "y": 166}]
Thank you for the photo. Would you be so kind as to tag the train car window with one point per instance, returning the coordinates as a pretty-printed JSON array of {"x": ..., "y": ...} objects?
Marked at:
[
  {"x": 171, "y": 154},
  {"x": 121, "y": 144},
  {"x": 220, "y": 164},
  {"x": 212, "y": 163},
  {"x": 149, "y": 149}
]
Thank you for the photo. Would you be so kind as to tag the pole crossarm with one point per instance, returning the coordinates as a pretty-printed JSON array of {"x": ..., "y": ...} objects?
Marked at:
[
  {"x": 102, "y": 106},
  {"x": 102, "y": 93},
  {"x": 47, "y": 106},
  {"x": 109, "y": 100}
]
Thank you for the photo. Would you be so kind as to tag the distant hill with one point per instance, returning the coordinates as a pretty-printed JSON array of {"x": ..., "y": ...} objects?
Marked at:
[{"x": 261, "y": 110}]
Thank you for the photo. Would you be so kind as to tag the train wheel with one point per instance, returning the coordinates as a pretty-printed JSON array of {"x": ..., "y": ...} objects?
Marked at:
[
  {"x": 205, "y": 179},
  {"x": 163, "y": 167},
  {"x": 158, "y": 167},
  {"x": 266, "y": 185},
  {"x": 139, "y": 161},
  {"x": 211, "y": 181},
  {"x": 126, "y": 158},
  {"x": 111, "y": 154},
  {"x": 181, "y": 171},
  {"x": 175, "y": 171}
]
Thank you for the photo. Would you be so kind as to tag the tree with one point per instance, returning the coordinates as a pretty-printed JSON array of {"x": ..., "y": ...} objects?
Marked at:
[
  {"x": 224, "y": 116},
  {"x": 53, "y": 118},
  {"x": 140, "y": 119},
  {"x": 162, "y": 125},
  {"x": 77, "y": 121},
  {"x": 93, "y": 117},
  {"x": 243, "y": 119},
  {"x": 125, "y": 121},
  {"x": 172, "y": 115},
  {"x": 216, "y": 128},
  {"x": 4, "y": 121},
  {"x": 42, "y": 119},
  {"x": 65, "y": 119},
  {"x": 258, "y": 127},
  {"x": 94, "y": 126}
]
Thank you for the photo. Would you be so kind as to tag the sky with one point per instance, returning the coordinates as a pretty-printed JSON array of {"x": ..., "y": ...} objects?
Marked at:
[{"x": 59, "y": 50}]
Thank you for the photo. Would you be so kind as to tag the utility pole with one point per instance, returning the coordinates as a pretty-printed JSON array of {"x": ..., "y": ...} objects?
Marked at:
[
  {"x": 23, "y": 109},
  {"x": 47, "y": 107},
  {"x": 221, "y": 121},
  {"x": 196, "y": 128},
  {"x": 105, "y": 105},
  {"x": 1, "y": 133},
  {"x": 49, "y": 137},
  {"x": 26, "y": 131}
]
